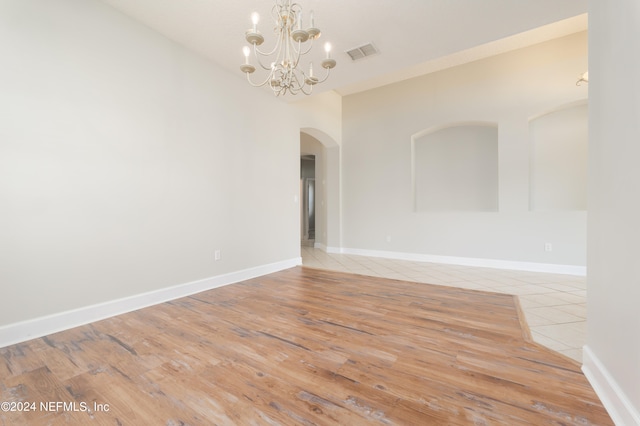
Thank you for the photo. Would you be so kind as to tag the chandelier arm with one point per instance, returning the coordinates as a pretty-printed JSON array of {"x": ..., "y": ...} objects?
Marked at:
[
  {"x": 301, "y": 85},
  {"x": 296, "y": 52},
  {"x": 264, "y": 67},
  {"x": 258, "y": 51},
  {"x": 304, "y": 91},
  {"x": 304, "y": 84},
  {"x": 309, "y": 47},
  {"x": 278, "y": 47},
  {"x": 295, "y": 82},
  {"x": 260, "y": 56},
  {"x": 275, "y": 13},
  {"x": 295, "y": 49},
  {"x": 258, "y": 84},
  {"x": 326, "y": 76},
  {"x": 294, "y": 8},
  {"x": 289, "y": 48},
  {"x": 279, "y": 90},
  {"x": 282, "y": 46},
  {"x": 302, "y": 43}
]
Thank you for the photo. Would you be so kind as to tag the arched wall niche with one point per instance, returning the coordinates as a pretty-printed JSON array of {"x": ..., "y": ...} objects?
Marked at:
[
  {"x": 454, "y": 167},
  {"x": 558, "y": 141}
]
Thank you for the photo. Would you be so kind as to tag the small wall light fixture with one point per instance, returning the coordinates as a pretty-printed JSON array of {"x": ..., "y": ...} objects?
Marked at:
[{"x": 583, "y": 78}]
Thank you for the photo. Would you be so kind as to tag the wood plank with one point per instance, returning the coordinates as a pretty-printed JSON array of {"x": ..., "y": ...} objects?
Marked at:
[{"x": 305, "y": 346}]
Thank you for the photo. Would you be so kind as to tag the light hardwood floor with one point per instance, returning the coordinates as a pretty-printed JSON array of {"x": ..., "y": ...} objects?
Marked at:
[
  {"x": 555, "y": 305},
  {"x": 302, "y": 347}
]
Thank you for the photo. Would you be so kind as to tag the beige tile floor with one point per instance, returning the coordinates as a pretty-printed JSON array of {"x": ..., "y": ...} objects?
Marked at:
[{"x": 554, "y": 304}]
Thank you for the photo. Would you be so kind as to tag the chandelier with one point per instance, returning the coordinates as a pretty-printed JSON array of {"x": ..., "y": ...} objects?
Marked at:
[{"x": 282, "y": 62}]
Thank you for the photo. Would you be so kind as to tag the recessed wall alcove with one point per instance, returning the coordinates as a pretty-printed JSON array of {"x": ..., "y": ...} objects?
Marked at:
[
  {"x": 455, "y": 167},
  {"x": 558, "y": 159}
]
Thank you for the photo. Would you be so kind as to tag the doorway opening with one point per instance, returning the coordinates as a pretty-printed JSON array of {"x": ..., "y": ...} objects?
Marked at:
[{"x": 308, "y": 197}]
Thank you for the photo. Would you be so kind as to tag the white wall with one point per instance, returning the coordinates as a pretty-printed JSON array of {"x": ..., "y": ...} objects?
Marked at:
[
  {"x": 456, "y": 169},
  {"x": 509, "y": 90},
  {"x": 321, "y": 112},
  {"x": 612, "y": 354},
  {"x": 559, "y": 143},
  {"x": 125, "y": 161}
]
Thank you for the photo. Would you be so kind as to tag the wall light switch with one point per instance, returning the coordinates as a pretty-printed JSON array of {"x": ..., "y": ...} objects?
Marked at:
[{"x": 548, "y": 247}]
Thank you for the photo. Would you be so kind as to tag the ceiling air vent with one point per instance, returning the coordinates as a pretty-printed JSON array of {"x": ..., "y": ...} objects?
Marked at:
[{"x": 362, "y": 51}]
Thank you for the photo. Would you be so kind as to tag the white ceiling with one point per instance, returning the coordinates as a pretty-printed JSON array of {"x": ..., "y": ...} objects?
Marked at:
[{"x": 414, "y": 37}]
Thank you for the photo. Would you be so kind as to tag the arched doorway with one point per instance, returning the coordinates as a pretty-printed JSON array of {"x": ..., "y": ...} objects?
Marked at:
[
  {"x": 320, "y": 179},
  {"x": 308, "y": 197}
]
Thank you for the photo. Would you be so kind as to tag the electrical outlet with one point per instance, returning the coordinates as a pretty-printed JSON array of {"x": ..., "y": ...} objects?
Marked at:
[
  {"x": 548, "y": 247},
  {"x": 216, "y": 255}
]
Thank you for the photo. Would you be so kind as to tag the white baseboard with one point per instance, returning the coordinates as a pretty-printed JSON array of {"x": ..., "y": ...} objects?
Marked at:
[
  {"x": 467, "y": 261},
  {"x": 619, "y": 407},
  {"x": 25, "y": 330},
  {"x": 320, "y": 246}
]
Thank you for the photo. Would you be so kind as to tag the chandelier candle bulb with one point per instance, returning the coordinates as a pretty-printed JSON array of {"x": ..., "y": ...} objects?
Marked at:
[
  {"x": 311, "y": 70},
  {"x": 255, "y": 18},
  {"x": 311, "y": 20},
  {"x": 327, "y": 48},
  {"x": 246, "y": 52}
]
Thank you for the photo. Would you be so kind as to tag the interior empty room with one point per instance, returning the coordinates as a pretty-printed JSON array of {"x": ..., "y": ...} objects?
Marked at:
[{"x": 424, "y": 213}]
